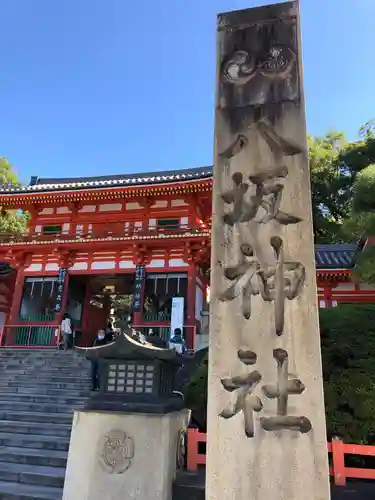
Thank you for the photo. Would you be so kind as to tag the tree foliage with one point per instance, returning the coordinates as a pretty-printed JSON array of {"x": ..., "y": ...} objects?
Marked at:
[
  {"x": 348, "y": 346},
  {"x": 12, "y": 220},
  {"x": 330, "y": 185},
  {"x": 340, "y": 174}
]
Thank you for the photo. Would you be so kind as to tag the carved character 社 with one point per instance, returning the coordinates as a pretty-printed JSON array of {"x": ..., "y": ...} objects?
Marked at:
[
  {"x": 284, "y": 387},
  {"x": 247, "y": 402},
  {"x": 243, "y": 386}
]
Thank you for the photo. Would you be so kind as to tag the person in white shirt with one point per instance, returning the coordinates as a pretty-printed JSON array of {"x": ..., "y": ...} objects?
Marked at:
[{"x": 66, "y": 331}]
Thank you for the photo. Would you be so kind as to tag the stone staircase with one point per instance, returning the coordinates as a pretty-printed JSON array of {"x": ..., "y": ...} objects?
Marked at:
[{"x": 38, "y": 391}]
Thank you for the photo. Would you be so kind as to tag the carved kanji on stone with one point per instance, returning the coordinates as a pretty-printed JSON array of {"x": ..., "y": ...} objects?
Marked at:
[
  {"x": 244, "y": 278},
  {"x": 282, "y": 281},
  {"x": 261, "y": 205},
  {"x": 284, "y": 387},
  {"x": 243, "y": 386}
]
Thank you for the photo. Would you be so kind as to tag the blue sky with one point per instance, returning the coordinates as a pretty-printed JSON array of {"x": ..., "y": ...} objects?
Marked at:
[{"x": 93, "y": 87}]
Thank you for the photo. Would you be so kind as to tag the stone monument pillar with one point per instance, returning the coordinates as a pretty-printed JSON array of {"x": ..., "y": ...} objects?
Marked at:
[
  {"x": 266, "y": 418},
  {"x": 130, "y": 439}
]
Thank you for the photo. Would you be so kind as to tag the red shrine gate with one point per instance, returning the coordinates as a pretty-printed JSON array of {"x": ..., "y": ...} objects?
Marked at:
[{"x": 87, "y": 239}]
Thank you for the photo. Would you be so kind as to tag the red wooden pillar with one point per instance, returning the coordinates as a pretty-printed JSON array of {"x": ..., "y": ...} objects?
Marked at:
[
  {"x": 86, "y": 308},
  {"x": 338, "y": 462},
  {"x": 191, "y": 292},
  {"x": 327, "y": 293},
  {"x": 17, "y": 296}
]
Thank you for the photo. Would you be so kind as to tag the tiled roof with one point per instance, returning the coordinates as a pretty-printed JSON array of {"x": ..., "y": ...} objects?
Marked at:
[
  {"x": 336, "y": 255},
  {"x": 58, "y": 184}
]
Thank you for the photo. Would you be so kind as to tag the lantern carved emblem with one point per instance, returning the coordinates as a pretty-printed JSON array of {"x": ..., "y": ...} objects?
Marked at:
[{"x": 117, "y": 452}]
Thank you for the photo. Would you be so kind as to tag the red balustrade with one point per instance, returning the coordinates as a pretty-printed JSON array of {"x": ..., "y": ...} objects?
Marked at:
[
  {"x": 103, "y": 231},
  {"x": 337, "y": 448}
]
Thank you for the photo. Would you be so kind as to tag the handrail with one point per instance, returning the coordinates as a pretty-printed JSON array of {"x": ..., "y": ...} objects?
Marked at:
[{"x": 338, "y": 470}]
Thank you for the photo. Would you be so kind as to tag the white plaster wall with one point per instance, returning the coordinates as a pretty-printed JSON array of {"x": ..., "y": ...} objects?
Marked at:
[
  {"x": 52, "y": 267},
  {"x": 46, "y": 211},
  {"x": 63, "y": 210},
  {"x": 80, "y": 266},
  {"x": 344, "y": 286},
  {"x": 160, "y": 203},
  {"x": 103, "y": 265},
  {"x": 179, "y": 203},
  {"x": 156, "y": 263},
  {"x": 126, "y": 264},
  {"x": 88, "y": 208},
  {"x": 110, "y": 207},
  {"x": 34, "y": 267},
  {"x": 177, "y": 263},
  {"x": 133, "y": 206}
]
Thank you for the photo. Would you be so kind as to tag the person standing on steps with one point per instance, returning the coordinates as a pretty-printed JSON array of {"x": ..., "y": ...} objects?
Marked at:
[
  {"x": 66, "y": 331},
  {"x": 101, "y": 339}
]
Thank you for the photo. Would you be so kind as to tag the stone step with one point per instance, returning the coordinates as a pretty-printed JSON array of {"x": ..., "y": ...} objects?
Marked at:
[
  {"x": 36, "y": 428},
  {"x": 42, "y": 384},
  {"x": 32, "y": 474},
  {"x": 58, "y": 359},
  {"x": 45, "y": 391},
  {"x": 43, "y": 362},
  {"x": 189, "y": 485},
  {"x": 64, "y": 399},
  {"x": 34, "y": 456},
  {"x": 49, "y": 371},
  {"x": 43, "y": 378},
  {"x": 18, "y": 491},
  {"x": 38, "y": 407},
  {"x": 34, "y": 441},
  {"x": 40, "y": 417}
]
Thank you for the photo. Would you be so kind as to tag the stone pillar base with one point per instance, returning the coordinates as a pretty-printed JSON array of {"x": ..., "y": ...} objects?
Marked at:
[{"x": 121, "y": 456}]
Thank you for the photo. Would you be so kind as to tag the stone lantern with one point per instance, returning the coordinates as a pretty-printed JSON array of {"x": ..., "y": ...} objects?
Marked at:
[
  {"x": 135, "y": 376},
  {"x": 135, "y": 416}
]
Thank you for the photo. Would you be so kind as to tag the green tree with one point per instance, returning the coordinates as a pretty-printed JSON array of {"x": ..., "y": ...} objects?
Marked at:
[
  {"x": 341, "y": 193},
  {"x": 360, "y": 222},
  {"x": 13, "y": 221},
  {"x": 330, "y": 185}
]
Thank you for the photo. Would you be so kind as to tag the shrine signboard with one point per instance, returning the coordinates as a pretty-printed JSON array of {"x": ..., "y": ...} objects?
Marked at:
[
  {"x": 138, "y": 288},
  {"x": 266, "y": 416},
  {"x": 60, "y": 289}
]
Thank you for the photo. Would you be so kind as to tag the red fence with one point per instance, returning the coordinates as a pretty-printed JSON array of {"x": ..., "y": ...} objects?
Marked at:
[{"x": 338, "y": 449}]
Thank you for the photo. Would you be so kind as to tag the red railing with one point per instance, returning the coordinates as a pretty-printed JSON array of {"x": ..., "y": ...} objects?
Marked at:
[
  {"x": 33, "y": 336},
  {"x": 108, "y": 230},
  {"x": 337, "y": 470}
]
